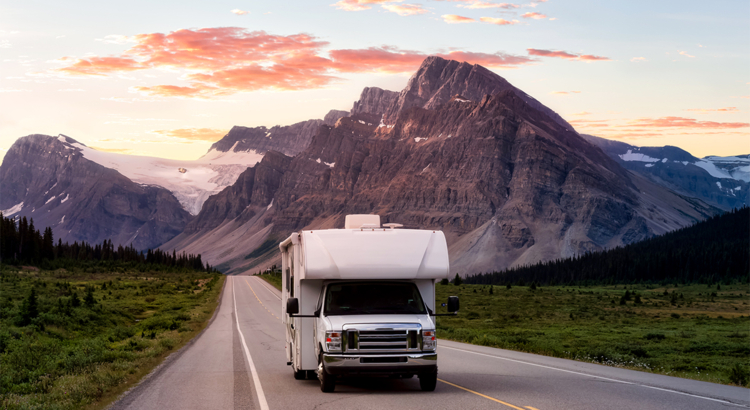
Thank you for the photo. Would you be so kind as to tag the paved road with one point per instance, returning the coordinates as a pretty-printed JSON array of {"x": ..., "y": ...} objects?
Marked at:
[{"x": 239, "y": 363}]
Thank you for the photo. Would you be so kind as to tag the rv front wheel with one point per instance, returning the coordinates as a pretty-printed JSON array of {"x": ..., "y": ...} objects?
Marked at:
[
  {"x": 428, "y": 381},
  {"x": 327, "y": 381}
]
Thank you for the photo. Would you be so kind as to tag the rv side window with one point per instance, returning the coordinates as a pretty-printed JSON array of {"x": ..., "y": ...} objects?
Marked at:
[{"x": 287, "y": 280}]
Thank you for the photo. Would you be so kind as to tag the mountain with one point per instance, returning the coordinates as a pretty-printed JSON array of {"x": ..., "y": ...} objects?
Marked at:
[
  {"x": 52, "y": 180},
  {"x": 723, "y": 182},
  {"x": 508, "y": 182},
  {"x": 438, "y": 80},
  {"x": 373, "y": 100}
]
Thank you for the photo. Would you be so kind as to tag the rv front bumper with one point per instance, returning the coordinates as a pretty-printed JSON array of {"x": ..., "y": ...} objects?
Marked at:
[{"x": 410, "y": 363}]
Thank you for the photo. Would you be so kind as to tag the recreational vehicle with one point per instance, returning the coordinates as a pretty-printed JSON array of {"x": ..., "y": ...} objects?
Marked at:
[{"x": 361, "y": 301}]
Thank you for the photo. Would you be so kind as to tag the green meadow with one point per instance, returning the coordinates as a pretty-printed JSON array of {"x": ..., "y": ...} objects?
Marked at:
[
  {"x": 693, "y": 331},
  {"x": 77, "y": 339}
]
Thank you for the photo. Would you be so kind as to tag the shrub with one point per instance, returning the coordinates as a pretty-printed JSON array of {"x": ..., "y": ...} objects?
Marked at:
[
  {"x": 655, "y": 336},
  {"x": 739, "y": 375}
]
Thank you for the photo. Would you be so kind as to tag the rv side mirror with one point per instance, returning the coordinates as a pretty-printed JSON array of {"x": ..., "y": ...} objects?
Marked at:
[
  {"x": 292, "y": 306},
  {"x": 452, "y": 304}
]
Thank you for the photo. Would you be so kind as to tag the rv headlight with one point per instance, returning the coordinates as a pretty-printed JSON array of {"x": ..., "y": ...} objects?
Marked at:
[
  {"x": 333, "y": 341},
  {"x": 429, "y": 342}
]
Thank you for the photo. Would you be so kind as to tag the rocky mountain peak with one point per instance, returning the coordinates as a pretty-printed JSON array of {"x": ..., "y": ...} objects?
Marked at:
[
  {"x": 438, "y": 80},
  {"x": 374, "y": 100}
]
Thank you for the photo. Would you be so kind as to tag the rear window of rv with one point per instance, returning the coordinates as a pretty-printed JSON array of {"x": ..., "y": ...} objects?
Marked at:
[{"x": 363, "y": 298}]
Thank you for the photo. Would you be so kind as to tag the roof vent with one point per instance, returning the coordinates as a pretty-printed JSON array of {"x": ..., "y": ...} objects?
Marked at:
[
  {"x": 358, "y": 221},
  {"x": 393, "y": 225}
]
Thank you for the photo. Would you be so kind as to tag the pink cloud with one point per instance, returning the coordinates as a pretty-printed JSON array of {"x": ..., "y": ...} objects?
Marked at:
[
  {"x": 240, "y": 12},
  {"x": 684, "y": 53},
  {"x": 534, "y": 15},
  {"x": 456, "y": 19},
  {"x": 707, "y": 110},
  {"x": 358, "y": 5},
  {"x": 405, "y": 9},
  {"x": 223, "y": 61},
  {"x": 488, "y": 5},
  {"x": 100, "y": 66},
  {"x": 565, "y": 55},
  {"x": 499, "y": 21},
  {"x": 682, "y": 122}
]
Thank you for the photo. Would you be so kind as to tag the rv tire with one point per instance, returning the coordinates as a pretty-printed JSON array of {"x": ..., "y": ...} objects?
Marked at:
[
  {"x": 327, "y": 381},
  {"x": 428, "y": 381}
]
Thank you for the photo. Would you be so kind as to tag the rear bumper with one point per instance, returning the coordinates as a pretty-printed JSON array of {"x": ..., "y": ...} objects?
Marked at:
[{"x": 411, "y": 363}]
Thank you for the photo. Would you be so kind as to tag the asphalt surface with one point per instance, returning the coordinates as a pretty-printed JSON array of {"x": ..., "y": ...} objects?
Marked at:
[{"x": 238, "y": 362}]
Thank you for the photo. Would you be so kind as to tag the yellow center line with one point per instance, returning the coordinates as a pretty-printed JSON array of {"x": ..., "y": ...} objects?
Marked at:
[
  {"x": 483, "y": 395},
  {"x": 531, "y": 408},
  {"x": 261, "y": 303}
]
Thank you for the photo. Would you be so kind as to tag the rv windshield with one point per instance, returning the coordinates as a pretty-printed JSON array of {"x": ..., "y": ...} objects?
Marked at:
[{"x": 365, "y": 298}]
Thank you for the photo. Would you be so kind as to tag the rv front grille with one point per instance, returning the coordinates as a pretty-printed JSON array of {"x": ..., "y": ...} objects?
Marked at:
[{"x": 367, "y": 338}]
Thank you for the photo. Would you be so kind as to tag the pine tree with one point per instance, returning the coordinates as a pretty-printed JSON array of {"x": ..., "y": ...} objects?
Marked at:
[
  {"x": 457, "y": 280},
  {"x": 29, "y": 308}
]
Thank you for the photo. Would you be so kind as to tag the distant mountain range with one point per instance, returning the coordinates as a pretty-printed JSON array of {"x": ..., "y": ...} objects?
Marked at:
[
  {"x": 459, "y": 149},
  {"x": 720, "y": 181}
]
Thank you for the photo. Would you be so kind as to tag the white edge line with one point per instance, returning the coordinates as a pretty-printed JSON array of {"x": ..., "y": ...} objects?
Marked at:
[
  {"x": 268, "y": 288},
  {"x": 256, "y": 381},
  {"x": 598, "y": 377}
]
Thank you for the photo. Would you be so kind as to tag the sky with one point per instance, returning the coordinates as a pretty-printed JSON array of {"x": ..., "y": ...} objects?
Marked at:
[{"x": 169, "y": 78}]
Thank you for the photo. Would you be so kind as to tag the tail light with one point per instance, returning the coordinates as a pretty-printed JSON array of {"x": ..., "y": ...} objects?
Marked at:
[
  {"x": 429, "y": 342},
  {"x": 333, "y": 341}
]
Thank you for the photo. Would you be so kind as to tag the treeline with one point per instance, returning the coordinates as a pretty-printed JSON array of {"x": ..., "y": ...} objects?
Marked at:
[
  {"x": 21, "y": 243},
  {"x": 711, "y": 251}
]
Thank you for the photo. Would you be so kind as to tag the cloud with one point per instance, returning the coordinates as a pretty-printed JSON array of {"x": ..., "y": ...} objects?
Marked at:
[
  {"x": 498, "y": 21},
  {"x": 637, "y": 59},
  {"x": 682, "y": 122},
  {"x": 488, "y": 5},
  {"x": 358, "y": 5},
  {"x": 100, "y": 66},
  {"x": 707, "y": 110},
  {"x": 565, "y": 55},
  {"x": 221, "y": 61},
  {"x": 533, "y": 15},
  {"x": 67, "y": 90},
  {"x": 564, "y": 92},
  {"x": 684, "y": 53},
  {"x": 405, "y": 9},
  {"x": 392, "y": 60},
  {"x": 240, "y": 12},
  {"x": 194, "y": 134},
  {"x": 582, "y": 113},
  {"x": 456, "y": 19}
]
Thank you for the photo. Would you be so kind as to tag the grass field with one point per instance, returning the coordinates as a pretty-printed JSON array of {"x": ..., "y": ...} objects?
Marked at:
[
  {"x": 694, "y": 331},
  {"x": 91, "y": 336}
]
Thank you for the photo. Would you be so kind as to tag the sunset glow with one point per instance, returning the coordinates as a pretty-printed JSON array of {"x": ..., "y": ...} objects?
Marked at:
[{"x": 150, "y": 81}]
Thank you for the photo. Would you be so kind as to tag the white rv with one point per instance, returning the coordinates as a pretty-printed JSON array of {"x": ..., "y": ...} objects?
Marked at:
[{"x": 361, "y": 301}]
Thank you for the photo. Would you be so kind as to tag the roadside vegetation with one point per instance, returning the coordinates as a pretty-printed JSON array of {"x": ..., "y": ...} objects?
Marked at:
[
  {"x": 73, "y": 339},
  {"x": 272, "y": 276},
  {"x": 693, "y": 331}
]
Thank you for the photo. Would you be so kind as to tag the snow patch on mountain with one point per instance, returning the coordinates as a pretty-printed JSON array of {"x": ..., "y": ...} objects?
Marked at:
[
  {"x": 637, "y": 156},
  {"x": 204, "y": 176},
  {"x": 13, "y": 209}
]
